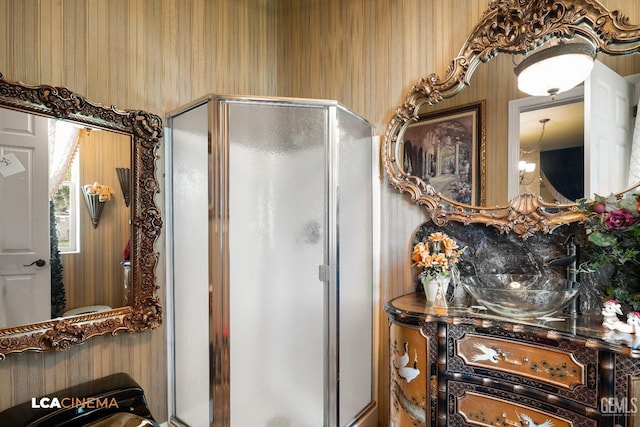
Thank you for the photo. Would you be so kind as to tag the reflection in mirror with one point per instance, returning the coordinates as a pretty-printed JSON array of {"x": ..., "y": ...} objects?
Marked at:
[
  {"x": 62, "y": 280},
  {"x": 551, "y": 162},
  {"x": 86, "y": 272},
  {"x": 506, "y": 29},
  {"x": 94, "y": 275},
  {"x": 586, "y": 144}
]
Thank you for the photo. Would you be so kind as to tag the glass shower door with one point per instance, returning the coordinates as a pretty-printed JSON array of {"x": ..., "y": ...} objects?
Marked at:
[{"x": 276, "y": 243}]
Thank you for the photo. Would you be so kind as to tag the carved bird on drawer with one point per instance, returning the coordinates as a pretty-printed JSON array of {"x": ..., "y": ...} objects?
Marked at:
[
  {"x": 489, "y": 354},
  {"x": 410, "y": 373},
  {"x": 402, "y": 360},
  {"x": 527, "y": 421}
]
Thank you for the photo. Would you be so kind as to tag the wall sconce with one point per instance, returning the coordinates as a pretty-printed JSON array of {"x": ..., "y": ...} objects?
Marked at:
[
  {"x": 555, "y": 69},
  {"x": 526, "y": 170},
  {"x": 95, "y": 196},
  {"x": 124, "y": 177}
]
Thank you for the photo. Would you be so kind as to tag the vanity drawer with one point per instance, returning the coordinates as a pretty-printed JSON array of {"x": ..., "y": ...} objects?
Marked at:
[
  {"x": 482, "y": 406},
  {"x": 550, "y": 366}
]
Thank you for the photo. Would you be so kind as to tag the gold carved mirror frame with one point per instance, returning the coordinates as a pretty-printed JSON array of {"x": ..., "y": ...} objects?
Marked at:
[
  {"x": 144, "y": 312},
  {"x": 514, "y": 27}
]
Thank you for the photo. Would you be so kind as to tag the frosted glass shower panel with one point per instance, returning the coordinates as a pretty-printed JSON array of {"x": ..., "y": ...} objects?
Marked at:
[
  {"x": 189, "y": 182},
  {"x": 355, "y": 277},
  {"x": 276, "y": 243}
]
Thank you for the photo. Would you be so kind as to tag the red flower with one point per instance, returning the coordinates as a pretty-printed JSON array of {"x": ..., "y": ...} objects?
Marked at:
[{"x": 618, "y": 219}]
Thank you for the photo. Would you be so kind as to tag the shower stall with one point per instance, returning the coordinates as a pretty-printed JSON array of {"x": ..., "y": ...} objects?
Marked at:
[{"x": 272, "y": 263}]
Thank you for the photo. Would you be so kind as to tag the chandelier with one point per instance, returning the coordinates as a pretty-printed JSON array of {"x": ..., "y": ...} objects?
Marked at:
[{"x": 526, "y": 169}]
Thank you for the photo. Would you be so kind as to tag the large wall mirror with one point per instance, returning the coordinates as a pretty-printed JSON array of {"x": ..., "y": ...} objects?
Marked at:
[
  {"x": 508, "y": 32},
  {"x": 78, "y": 219}
]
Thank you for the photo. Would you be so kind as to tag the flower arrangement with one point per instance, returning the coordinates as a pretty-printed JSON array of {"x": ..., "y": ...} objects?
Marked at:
[
  {"x": 437, "y": 256},
  {"x": 104, "y": 192},
  {"x": 613, "y": 239}
]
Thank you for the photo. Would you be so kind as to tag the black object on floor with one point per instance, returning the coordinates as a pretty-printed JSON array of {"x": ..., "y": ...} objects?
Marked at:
[{"x": 115, "y": 400}]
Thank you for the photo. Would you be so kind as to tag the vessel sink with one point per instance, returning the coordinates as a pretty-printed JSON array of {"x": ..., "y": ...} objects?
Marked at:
[{"x": 521, "y": 295}]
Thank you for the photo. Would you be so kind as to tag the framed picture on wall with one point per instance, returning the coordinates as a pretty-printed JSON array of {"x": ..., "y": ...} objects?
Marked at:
[{"x": 446, "y": 149}]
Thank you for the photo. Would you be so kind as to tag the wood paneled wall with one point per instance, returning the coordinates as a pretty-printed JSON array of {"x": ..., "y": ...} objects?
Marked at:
[
  {"x": 95, "y": 275},
  {"x": 159, "y": 54}
]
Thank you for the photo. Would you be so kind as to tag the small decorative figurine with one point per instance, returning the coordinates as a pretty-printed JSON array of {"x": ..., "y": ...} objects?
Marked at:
[
  {"x": 611, "y": 310},
  {"x": 633, "y": 320}
]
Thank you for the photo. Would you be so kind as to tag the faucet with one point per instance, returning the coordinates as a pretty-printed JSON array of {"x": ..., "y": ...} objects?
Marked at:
[
  {"x": 564, "y": 261},
  {"x": 569, "y": 260}
]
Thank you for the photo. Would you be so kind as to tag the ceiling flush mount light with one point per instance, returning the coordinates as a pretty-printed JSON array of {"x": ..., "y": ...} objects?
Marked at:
[{"x": 555, "y": 69}]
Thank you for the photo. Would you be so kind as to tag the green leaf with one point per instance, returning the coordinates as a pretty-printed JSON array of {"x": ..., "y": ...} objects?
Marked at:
[
  {"x": 602, "y": 239},
  {"x": 628, "y": 203}
]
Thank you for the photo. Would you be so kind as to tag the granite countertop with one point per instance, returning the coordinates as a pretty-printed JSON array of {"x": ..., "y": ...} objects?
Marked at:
[{"x": 586, "y": 329}]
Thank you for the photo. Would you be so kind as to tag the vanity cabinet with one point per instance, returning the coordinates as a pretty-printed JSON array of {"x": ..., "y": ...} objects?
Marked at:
[{"x": 459, "y": 368}]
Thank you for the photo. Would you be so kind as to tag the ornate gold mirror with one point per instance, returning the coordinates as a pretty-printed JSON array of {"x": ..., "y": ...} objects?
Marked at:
[
  {"x": 512, "y": 27},
  {"x": 130, "y": 224}
]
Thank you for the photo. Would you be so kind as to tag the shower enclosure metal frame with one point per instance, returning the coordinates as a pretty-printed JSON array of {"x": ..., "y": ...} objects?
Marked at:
[{"x": 218, "y": 201}]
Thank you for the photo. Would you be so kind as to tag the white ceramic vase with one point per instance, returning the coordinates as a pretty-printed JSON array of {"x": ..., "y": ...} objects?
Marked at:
[{"x": 431, "y": 285}]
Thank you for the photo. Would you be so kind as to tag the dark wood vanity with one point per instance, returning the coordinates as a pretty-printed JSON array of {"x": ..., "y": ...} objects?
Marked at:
[
  {"x": 468, "y": 367},
  {"x": 459, "y": 366}
]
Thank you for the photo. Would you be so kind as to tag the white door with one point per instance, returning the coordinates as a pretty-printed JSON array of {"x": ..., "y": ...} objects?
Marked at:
[
  {"x": 25, "y": 284},
  {"x": 608, "y": 131}
]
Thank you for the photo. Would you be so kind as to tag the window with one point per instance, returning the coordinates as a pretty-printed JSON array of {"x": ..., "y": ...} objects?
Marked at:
[{"x": 66, "y": 210}]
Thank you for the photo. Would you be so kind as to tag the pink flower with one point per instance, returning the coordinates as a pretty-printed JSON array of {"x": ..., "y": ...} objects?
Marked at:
[
  {"x": 618, "y": 219},
  {"x": 599, "y": 208}
]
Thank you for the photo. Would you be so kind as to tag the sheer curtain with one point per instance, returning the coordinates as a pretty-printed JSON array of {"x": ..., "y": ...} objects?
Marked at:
[
  {"x": 634, "y": 161},
  {"x": 63, "y": 145}
]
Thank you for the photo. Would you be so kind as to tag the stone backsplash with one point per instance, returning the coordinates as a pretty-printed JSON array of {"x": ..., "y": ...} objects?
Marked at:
[{"x": 490, "y": 252}]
